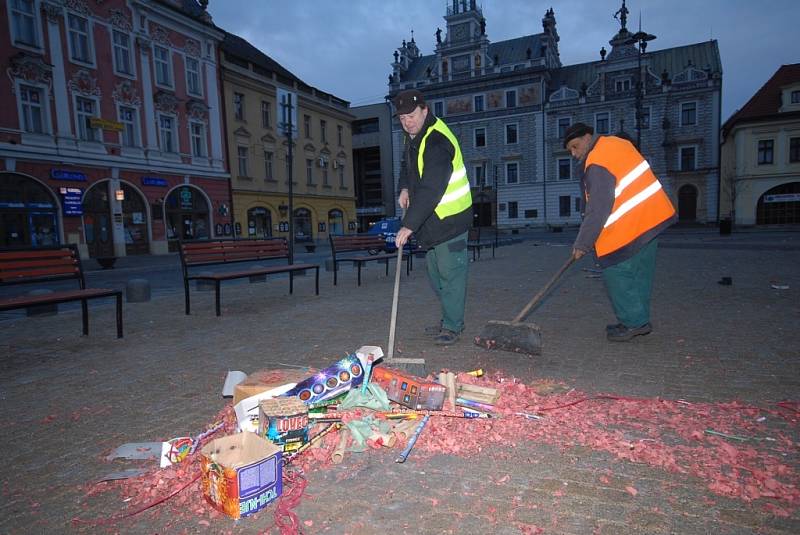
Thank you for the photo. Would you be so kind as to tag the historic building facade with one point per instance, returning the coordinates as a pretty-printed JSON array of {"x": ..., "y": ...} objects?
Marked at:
[
  {"x": 761, "y": 155},
  {"x": 257, "y": 91},
  {"x": 509, "y": 103},
  {"x": 372, "y": 164},
  {"x": 112, "y": 134}
]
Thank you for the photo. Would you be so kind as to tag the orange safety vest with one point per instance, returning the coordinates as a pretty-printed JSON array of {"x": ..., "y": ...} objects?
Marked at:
[{"x": 640, "y": 203}]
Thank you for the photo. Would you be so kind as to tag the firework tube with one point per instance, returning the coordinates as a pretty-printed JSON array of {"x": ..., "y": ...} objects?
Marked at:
[
  {"x": 313, "y": 442},
  {"x": 474, "y": 404},
  {"x": 476, "y": 373},
  {"x": 412, "y": 440},
  {"x": 404, "y": 429},
  {"x": 386, "y": 439},
  {"x": 338, "y": 452},
  {"x": 205, "y": 434},
  {"x": 367, "y": 373}
]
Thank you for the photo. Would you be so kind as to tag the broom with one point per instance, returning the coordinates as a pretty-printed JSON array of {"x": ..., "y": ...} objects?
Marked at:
[{"x": 514, "y": 335}]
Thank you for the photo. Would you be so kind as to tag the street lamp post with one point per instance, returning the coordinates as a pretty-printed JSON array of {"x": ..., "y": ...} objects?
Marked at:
[{"x": 641, "y": 39}]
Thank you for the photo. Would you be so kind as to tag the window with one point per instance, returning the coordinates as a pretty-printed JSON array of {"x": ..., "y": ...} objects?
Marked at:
[
  {"x": 794, "y": 149},
  {"x": 166, "y": 132},
  {"x": 577, "y": 205},
  {"x": 323, "y": 131},
  {"x": 197, "y": 132},
  {"x": 79, "y": 39},
  {"x": 478, "y": 101},
  {"x": 122, "y": 53},
  {"x": 33, "y": 115},
  {"x": 622, "y": 85},
  {"x": 307, "y": 125},
  {"x": 238, "y": 106},
  {"x": 340, "y": 134},
  {"x": 563, "y": 124},
  {"x": 309, "y": 171},
  {"x": 193, "y": 85},
  {"x": 564, "y": 169},
  {"x": 86, "y": 109},
  {"x": 688, "y": 113},
  {"x": 601, "y": 123},
  {"x": 645, "y": 118},
  {"x": 438, "y": 109},
  {"x": 512, "y": 173},
  {"x": 266, "y": 119},
  {"x": 23, "y": 22},
  {"x": 325, "y": 175},
  {"x": 511, "y": 134},
  {"x": 796, "y": 97},
  {"x": 480, "y": 137},
  {"x": 564, "y": 202},
  {"x": 477, "y": 176},
  {"x": 688, "y": 158},
  {"x": 269, "y": 158},
  {"x": 511, "y": 99},
  {"x": 130, "y": 132},
  {"x": 341, "y": 176},
  {"x": 531, "y": 214},
  {"x": 161, "y": 57},
  {"x": 241, "y": 155},
  {"x": 766, "y": 151},
  {"x": 513, "y": 210}
]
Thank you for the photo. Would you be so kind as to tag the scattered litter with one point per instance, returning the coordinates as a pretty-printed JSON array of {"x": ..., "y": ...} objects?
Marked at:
[
  {"x": 231, "y": 380},
  {"x": 778, "y": 286},
  {"x": 137, "y": 451}
]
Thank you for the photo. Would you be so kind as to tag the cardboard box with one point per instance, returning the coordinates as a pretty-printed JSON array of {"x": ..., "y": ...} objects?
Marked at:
[
  {"x": 409, "y": 390},
  {"x": 241, "y": 474},
  {"x": 284, "y": 422},
  {"x": 264, "y": 380}
]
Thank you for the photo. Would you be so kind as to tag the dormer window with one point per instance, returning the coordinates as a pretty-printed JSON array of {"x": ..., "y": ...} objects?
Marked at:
[
  {"x": 795, "y": 98},
  {"x": 620, "y": 86}
]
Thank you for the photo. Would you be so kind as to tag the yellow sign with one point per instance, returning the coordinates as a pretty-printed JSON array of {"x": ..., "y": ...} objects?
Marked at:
[{"x": 105, "y": 124}]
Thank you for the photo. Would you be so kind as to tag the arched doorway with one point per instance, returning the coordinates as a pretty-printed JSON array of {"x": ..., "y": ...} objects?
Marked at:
[
  {"x": 28, "y": 213},
  {"x": 687, "y": 203},
  {"x": 97, "y": 221},
  {"x": 335, "y": 221},
  {"x": 259, "y": 222},
  {"x": 302, "y": 225},
  {"x": 187, "y": 216},
  {"x": 134, "y": 220},
  {"x": 779, "y": 205}
]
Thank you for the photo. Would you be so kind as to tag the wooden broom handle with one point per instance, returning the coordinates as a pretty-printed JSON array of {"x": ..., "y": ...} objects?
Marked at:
[
  {"x": 543, "y": 291},
  {"x": 393, "y": 322}
]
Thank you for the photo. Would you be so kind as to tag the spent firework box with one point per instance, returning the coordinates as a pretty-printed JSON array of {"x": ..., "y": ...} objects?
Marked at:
[
  {"x": 409, "y": 390},
  {"x": 284, "y": 422},
  {"x": 241, "y": 474}
]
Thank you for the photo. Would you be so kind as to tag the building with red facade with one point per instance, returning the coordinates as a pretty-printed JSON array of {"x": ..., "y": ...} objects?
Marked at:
[{"x": 111, "y": 133}]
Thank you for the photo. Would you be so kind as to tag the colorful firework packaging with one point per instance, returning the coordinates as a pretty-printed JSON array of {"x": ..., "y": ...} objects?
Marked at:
[
  {"x": 336, "y": 379},
  {"x": 408, "y": 390},
  {"x": 284, "y": 422},
  {"x": 241, "y": 474}
]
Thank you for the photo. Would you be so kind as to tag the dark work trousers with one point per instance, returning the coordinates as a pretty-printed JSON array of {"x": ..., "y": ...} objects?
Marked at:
[
  {"x": 447, "y": 272},
  {"x": 629, "y": 285}
]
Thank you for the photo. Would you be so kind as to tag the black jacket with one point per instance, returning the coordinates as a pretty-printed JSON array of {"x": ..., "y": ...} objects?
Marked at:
[{"x": 425, "y": 192}]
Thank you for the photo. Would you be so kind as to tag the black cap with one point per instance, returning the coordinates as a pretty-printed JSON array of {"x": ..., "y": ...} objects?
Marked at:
[
  {"x": 577, "y": 130},
  {"x": 407, "y": 101}
]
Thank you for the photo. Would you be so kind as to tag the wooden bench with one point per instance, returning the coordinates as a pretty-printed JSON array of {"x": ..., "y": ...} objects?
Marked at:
[
  {"x": 222, "y": 252},
  {"x": 49, "y": 264},
  {"x": 372, "y": 244},
  {"x": 475, "y": 244}
]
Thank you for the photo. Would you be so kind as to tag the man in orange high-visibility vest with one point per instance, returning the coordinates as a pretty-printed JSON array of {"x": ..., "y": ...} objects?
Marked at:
[{"x": 625, "y": 210}]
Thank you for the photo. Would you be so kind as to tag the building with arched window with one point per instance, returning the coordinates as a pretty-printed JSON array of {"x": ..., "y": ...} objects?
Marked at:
[
  {"x": 111, "y": 131},
  {"x": 761, "y": 155}
]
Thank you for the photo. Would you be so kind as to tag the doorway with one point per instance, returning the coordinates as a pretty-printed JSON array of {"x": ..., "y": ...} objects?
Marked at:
[
  {"x": 28, "y": 213},
  {"x": 187, "y": 216},
  {"x": 687, "y": 203},
  {"x": 97, "y": 221},
  {"x": 134, "y": 220},
  {"x": 259, "y": 222}
]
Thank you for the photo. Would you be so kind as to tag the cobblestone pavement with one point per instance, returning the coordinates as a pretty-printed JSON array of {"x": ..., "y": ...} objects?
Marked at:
[{"x": 68, "y": 399}]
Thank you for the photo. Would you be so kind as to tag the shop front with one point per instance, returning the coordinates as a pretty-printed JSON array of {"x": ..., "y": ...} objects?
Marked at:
[
  {"x": 188, "y": 215},
  {"x": 29, "y": 213}
]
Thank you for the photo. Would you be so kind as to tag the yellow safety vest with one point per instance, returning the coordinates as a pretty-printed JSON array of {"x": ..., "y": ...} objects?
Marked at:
[{"x": 457, "y": 196}]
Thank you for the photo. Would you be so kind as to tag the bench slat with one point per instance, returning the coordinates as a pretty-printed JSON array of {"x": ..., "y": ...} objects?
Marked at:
[{"x": 22, "y": 301}]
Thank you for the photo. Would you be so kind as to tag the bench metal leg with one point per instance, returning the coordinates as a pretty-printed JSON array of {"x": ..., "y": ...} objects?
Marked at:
[
  {"x": 216, "y": 294},
  {"x": 291, "y": 282},
  {"x": 85, "y": 316},
  {"x": 492, "y": 250},
  {"x": 335, "y": 271},
  {"x": 386, "y": 262},
  {"x": 186, "y": 294},
  {"x": 408, "y": 265},
  {"x": 317, "y": 279},
  {"x": 119, "y": 315},
  {"x": 359, "y": 272}
]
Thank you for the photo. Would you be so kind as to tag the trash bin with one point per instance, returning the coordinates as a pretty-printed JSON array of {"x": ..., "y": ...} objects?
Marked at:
[{"x": 725, "y": 226}]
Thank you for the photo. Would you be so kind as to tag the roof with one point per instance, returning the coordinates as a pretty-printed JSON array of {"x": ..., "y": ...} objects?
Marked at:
[
  {"x": 190, "y": 8},
  {"x": 766, "y": 102},
  {"x": 240, "y": 47},
  {"x": 674, "y": 60},
  {"x": 507, "y": 52}
]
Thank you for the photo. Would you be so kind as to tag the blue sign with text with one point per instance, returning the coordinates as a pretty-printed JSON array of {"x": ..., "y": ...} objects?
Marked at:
[
  {"x": 61, "y": 174},
  {"x": 72, "y": 200},
  {"x": 154, "y": 181}
]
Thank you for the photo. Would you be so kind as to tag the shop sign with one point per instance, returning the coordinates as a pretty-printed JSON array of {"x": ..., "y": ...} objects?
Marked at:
[
  {"x": 186, "y": 198},
  {"x": 351, "y": 225},
  {"x": 72, "y": 200},
  {"x": 227, "y": 229},
  {"x": 61, "y": 174},
  {"x": 218, "y": 229},
  {"x": 782, "y": 197},
  {"x": 154, "y": 181},
  {"x": 283, "y": 226},
  {"x": 238, "y": 227},
  {"x": 321, "y": 226},
  {"x": 105, "y": 124}
]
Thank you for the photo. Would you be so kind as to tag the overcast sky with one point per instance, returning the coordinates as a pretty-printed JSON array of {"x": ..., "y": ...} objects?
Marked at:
[{"x": 345, "y": 47}]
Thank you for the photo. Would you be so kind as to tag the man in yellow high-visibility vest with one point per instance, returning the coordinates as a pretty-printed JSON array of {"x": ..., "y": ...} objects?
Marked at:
[{"x": 435, "y": 191}]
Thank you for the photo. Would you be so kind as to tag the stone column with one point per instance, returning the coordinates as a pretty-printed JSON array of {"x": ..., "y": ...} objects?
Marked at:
[
  {"x": 145, "y": 47},
  {"x": 54, "y": 13}
]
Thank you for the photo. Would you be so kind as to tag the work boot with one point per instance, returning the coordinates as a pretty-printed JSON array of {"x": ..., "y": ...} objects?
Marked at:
[
  {"x": 613, "y": 327},
  {"x": 446, "y": 338},
  {"x": 623, "y": 333},
  {"x": 433, "y": 330}
]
